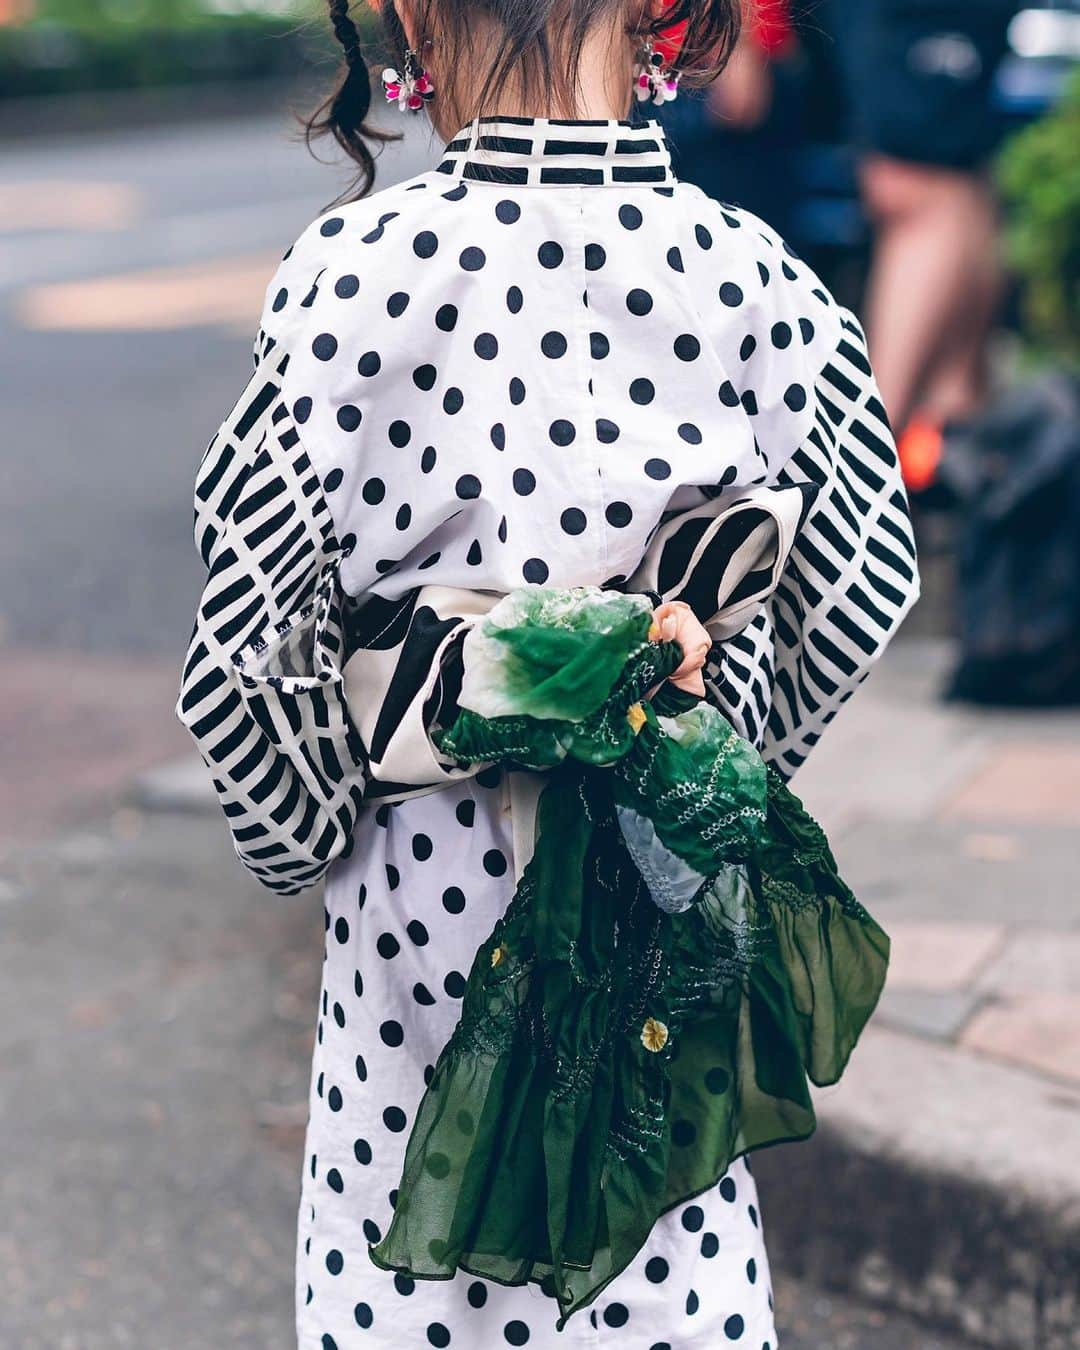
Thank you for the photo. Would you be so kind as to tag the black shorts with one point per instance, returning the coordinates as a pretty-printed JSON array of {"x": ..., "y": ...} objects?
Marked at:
[{"x": 918, "y": 75}]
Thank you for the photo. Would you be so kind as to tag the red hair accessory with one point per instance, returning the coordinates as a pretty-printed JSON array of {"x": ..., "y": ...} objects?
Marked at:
[{"x": 669, "y": 41}]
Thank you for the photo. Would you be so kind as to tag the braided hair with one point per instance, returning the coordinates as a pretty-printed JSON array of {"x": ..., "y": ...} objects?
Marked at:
[{"x": 342, "y": 114}]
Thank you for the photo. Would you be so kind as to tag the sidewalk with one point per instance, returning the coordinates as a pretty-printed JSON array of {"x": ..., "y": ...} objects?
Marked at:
[{"x": 945, "y": 1177}]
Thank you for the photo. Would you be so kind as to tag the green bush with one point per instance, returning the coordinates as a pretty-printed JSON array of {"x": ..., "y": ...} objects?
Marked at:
[
  {"x": 80, "y": 45},
  {"x": 1039, "y": 173},
  {"x": 57, "y": 60}
]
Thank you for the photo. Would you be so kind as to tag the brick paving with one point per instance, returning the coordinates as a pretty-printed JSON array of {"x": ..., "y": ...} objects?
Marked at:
[
  {"x": 1031, "y": 782},
  {"x": 957, "y": 828},
  {"x": 938, "y": 956},
  {"x": 1030, "y": 1026}
]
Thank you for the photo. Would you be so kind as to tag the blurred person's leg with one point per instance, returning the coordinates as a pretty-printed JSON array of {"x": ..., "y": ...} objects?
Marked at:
[
  {"x": 958, "y": 384},
  {"x": 919, "y": 77},
  {"x": 933, "y": 287}
]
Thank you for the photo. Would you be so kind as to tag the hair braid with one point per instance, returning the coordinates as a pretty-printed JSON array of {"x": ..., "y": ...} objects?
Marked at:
[
  {"x": 346, "y": 32},
  {"x": 342, "y": 114}
]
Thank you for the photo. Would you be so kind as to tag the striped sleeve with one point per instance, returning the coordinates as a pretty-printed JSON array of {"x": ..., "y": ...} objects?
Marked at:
[
  {"x": 262, "y": 689},
  {"x": 849, "y": 581}
]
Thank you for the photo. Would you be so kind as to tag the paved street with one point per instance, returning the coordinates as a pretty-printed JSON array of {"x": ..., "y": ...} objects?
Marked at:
[
  {"x": 156, "y": 1010},
  {"x": 132, "y": 271}
]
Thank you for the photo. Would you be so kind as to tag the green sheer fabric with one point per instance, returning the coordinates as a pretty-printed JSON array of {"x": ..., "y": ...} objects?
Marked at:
[{"x": 679, "y": 957}]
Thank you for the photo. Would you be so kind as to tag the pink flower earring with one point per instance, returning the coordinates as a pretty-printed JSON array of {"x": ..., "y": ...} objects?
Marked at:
[
  {"x": 412, "y": 88},
  {"x": 652, "y": 82}
]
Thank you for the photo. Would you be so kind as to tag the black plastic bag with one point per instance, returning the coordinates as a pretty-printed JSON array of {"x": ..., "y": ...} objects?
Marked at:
[{"x": 1016, "y": 472}]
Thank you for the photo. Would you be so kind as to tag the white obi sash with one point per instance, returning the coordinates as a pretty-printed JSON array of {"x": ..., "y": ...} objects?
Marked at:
[{"x": 724, "y": 558}]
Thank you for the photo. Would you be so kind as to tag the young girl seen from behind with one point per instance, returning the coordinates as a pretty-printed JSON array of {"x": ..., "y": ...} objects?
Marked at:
[{"x": 544, "y": 370}]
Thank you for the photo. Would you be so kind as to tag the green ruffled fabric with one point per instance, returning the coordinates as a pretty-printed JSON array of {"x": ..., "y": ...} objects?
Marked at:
[{"x": 679, "y": 958}]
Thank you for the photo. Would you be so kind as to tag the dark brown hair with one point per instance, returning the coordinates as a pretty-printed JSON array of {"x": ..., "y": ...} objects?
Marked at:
[{"x": 537, "y": 51}]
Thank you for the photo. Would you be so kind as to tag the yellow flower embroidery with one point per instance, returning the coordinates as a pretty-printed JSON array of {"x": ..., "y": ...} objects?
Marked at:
[
  {"x": 654, "y": 1035},
  {"x": 497, "y": 956},
  {"x": 635, "y": 715}
]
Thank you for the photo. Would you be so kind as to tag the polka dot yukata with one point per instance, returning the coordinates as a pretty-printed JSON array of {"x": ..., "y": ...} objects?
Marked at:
[{"x": 516, "y": 368}]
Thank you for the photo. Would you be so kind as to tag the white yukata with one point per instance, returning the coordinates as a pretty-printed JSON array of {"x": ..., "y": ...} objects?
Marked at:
[{"x": 512, "y": 369}]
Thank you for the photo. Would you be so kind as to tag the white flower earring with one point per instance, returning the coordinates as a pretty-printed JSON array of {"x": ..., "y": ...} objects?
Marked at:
[
  {"x": 652, "y": 82},
  {"x": 410, "y": 89}
]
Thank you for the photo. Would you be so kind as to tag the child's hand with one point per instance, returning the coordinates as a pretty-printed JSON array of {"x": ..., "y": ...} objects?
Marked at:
[{"x": 675, "y": 621}]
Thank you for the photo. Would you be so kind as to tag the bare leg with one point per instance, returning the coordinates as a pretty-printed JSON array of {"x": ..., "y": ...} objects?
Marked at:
[
  {"x": 933, "y": 286},
  {"x": 957, "y": 385}
]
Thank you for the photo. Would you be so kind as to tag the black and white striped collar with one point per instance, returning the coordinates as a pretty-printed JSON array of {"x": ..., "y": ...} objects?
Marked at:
[{"x": 543, "y": 151}]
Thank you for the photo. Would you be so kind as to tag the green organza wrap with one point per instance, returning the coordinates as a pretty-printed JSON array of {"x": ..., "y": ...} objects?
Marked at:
[{"x": 613, "y": 1057}]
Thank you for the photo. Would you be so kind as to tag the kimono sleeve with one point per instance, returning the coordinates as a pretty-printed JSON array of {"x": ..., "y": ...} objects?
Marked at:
[
  {"x": 848, "y": 582},
  {"x": 261, "y": 689}
]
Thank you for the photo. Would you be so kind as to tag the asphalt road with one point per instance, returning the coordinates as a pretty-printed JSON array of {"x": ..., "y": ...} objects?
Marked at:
[
  {"x": 104, "y": 416},
  {"x": 155, "y": 1012}
]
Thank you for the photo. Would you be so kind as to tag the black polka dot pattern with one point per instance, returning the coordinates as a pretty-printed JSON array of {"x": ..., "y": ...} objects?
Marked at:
[
  {"x": 491, "y": 392},
  {"x": 412, "y": 1017}
]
